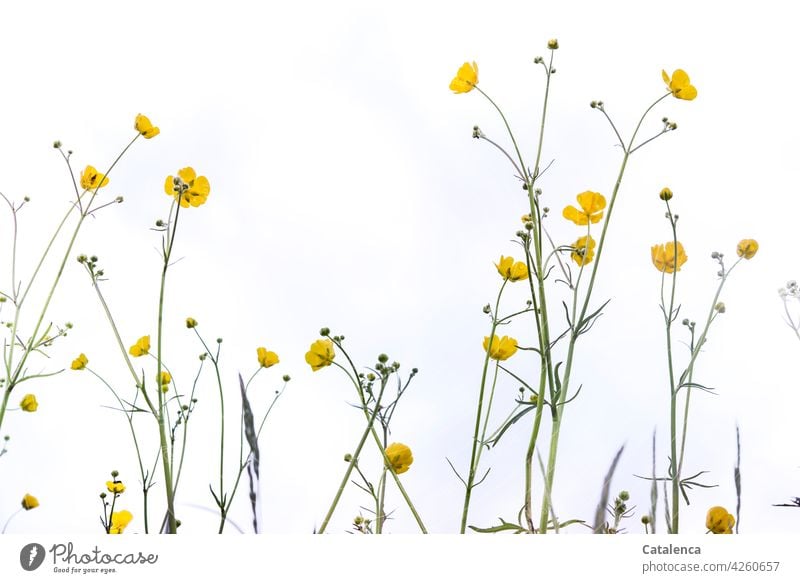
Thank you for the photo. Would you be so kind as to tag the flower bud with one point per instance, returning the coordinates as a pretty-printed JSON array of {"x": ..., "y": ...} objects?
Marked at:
[
  {"x": 324, "y": 331},
  {"x": 552, "y": 44},
  {"x": 666, "y": 194}
]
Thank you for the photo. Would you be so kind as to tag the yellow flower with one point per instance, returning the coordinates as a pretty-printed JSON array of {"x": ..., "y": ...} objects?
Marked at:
[
  {"x": 400, "y": 457},
  {"x": 141, "y": 347},
  {"x": 583, "y": 250},
  {"x": 266, "y": 358},
  {"x": 747, "y": 248},
  {"x": 509, "y": 269},
  {"x": 119, "y": 520},
  {"x": 592, "y": 204},
  {"x": 719, "y": 521},
  {"x": 667, "y": 258},
  {"x": 187, "y": 187},
  {"x": 144, "y": 127},
  {"x": 29, "y": 502},
  {"x": 164, "y": 381},
  {"x": 321, "y": 354},
  {"x": 80, "y": 362},
  {"x": 665, "y": 194},
  {"x": 501, "y": 348},
  {"x": 191, "y": 322},
  {"x": 526, "y": 219},
  {"x": 29, "y": 403},
  {"x": 115, "y": 487},
  {"x": 679, "y": 85},
  {"x": 465, "y": 79},
  {"x": 92, "y": 179}
]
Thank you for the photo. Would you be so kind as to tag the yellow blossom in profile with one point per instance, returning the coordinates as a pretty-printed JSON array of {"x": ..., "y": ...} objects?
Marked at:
[
  {"x": 500, "y": 348},
  {"x": 115, "y": 487},
  {"x": 29, "y": 502},
  {"x": 592, "y": 205},
  {"x": 266, "y": 358},
  {"x": 141, "y": 347},
  {"x": 747, "y": 248},
  {"x": 164, "y": 380},
  {"x": 320, "y": 354},
  {"x": 92, "y": 179},
  {"x": 667, "y": 258},
  {"x": 29, "y": 403},
  {"x": 679, "y": 84},
  {"x": 119, "y": 520},
  {"x": 400, "y": 457},
  {"x": 191, "y": 322},
  {"x": 510, "y": 269},
  {"x": 583, "y": 250},
  {"x": 187, "y": 187},
  {"x": 144, "y": 127},
  {"x": 465, "y": 79},
  {"x": 80, "y": 362},
  {"x": 526, "y": 219},
  {"x": 719, "y": 521}
]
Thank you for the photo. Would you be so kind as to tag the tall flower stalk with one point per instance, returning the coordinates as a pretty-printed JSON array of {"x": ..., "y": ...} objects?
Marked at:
[{"x": 553, "y": 384}]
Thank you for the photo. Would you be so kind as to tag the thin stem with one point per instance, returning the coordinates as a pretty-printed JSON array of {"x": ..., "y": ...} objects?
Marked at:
[{"x": 475, "y": 456}]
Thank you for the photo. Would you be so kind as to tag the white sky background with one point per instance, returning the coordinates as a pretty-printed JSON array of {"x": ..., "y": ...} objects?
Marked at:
[{"x": 346, "y": 192}]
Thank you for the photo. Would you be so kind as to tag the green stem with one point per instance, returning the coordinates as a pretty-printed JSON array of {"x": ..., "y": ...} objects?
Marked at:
[
  {"x": 353, "y": 461},
  {"x": 475, "y": 456},
  {"x": 165, "y": 460},
  {"x": 563, "y": 395}
]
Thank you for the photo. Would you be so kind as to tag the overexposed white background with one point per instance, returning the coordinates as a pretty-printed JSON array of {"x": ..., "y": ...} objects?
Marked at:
[{"x": 346, "y": 192}]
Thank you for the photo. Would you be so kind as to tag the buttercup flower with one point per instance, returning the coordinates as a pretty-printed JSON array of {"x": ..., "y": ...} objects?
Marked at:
[
  {"x": 92, "y": 179},
  {"x": 119, "y": 520},
  {"x": 509, "y": 269},
  {"x": 164, "y": 381},
  {"x": 80, "y": 362},
  {"x": 29, "y": 502},
  {"x": 747, "y": 248},
  {"x": 144, "y": 127},
  {"x": 266, "y": 358},
  {"x": 29, "y": 403},
  {"x": 320, "y": 355},
  {"x": 719, "y": 521},
  {"x": 592, "y": 204},
  {"x": 187, "y": 187},
  {"x": 141, "y": 347},
  {"x": 665, "y": 194},
  {"x": 501, "y": 348},
  {"x": 191, "y": 322},
  {"x": 679, "y": 84},
  {"x": 583, "y": 251},
  {"x": 666, "y": 258},
  {"x": 400, "y": 457},
  {"x": 465, "y": 79},
  {"x": 115, "y": 487}
]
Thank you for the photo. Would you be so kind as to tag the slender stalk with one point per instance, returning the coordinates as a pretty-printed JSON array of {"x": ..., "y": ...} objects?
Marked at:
[
  {"x": 166, "y": 461},
  {"x": 354, "y": 460},
  {"x": 563, "y": 395},
  {"x": 475, "y": 455}
]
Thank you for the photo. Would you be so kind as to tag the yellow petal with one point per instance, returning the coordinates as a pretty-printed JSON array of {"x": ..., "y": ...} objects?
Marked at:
[{"x": 187, "y": 174}]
